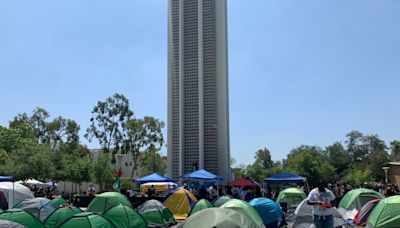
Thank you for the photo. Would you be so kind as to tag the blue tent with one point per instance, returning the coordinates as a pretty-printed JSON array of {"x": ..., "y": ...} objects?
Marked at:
[
  {"x": 285, "y": 178},
  {"x": 202, "y": 175},
  {"x": 267, "y": 209},
  {"x": 6, "y": 178},
  {"x": 154, "y": 177}
]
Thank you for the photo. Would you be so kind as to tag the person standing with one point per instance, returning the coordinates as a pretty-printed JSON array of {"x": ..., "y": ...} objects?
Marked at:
[{"x": 320, "y": 198}]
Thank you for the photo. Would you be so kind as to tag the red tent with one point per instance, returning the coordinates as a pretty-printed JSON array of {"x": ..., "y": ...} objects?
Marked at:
[{"x": 245, "y": 182}]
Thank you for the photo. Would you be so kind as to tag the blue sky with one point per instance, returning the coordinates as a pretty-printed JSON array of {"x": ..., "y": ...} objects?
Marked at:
[{"x": 300, "y": 72}]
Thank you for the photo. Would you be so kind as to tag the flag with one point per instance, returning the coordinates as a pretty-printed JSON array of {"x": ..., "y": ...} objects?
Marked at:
[{"x": 117, "y": 184}]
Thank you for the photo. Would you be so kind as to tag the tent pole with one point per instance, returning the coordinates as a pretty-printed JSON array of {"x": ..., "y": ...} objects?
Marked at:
[{"x": 13, "y": 191}]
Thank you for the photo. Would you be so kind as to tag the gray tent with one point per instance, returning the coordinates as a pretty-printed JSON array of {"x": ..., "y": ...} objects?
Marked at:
[
  {"x": 39, "y": 207},
  {"x": 304, "y": 216},
  {"x": 10, "y": 224}
]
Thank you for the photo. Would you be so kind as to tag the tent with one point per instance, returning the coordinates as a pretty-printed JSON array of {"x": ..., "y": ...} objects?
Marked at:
[
  {"x": 386, "y": 213},
  {"x": 60, "y": 215},
  {"x": 60, "y": 201},
  {"x": 21, "y": 217},
  {"x": 10, "y": 224},
  {"x": 161, "y": 187},
  {"x": 200, "y": 205},
  {"x": 31, "y": 182},
  {"x": 221, "y": 200},
  {"x": 154, "y": 177},
  {"x": 245, "y": 182},
  {"x": 156, "y": 214},
  {"x": 107, "y": 200},
  {"x": 15, "y": 192},
  {"x": 180, "y": 201},
  {"x": 267, "y": 209},
  {"x": 6, "y": 179},
  {"x": 201, "y": 175},
  {"x": 362, "y": 215},
  {"x": 285, "y": 178},
  {"x": 293, "y": 196},
  {"x": 304, "y": 216},
  {"x": 39, "y": 207},
  {"x": 87, "y": 219},
  {"x": 219, "y": 217},
  {"x": 244, "y": 207},
  {"x": 124, "y": 216},
  {"x": 356, "y": 198}
]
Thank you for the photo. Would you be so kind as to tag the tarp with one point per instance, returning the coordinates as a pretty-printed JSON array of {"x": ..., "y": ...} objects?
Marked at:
[
  {"x": 200, "y": 205},
  {"x": 219, "y": 217},
  {"x": 124, "y": 216},
  {"x": 21, "y": 192},
  {"x": 356, "y": 198},
  {"x": 267, "y": 209},
  {"x": 9, "y": 224},
  {"x": 6, "y": 179},
  {"x": 385, "y": 214},
  {"x": 285, "y": 178},
  {"x": 154, "y": 177},
  {"x": 201, "y": 175},
  {"x": 60, "y": 215},
  {"x": 180, "y": 201},
  {"x": 156, "y": 214},
  {"x": 304, "y": 216},
  {"x": 107, "y": 200},
  {"x": 39, "y": 207},
  {"x": 245, "y": 182},
  {"x": 59, "y": 201},
  {"x": 293, "y": 196},
  {"x": 244, "y": 207},
  {"x": 221, "y": 200},
  {"x": 362, "y": 215},
  {"x": 87, "y": 219},
  {"x": 21, "y": 217}
]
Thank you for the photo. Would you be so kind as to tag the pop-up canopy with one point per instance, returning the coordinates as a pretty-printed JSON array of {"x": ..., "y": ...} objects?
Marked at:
[
  {"x": 245, "y": 182},
  {"x": 285, "y": 178},
  {"x": 201, "y": 174},
  {"x": 154, "y": 177}
]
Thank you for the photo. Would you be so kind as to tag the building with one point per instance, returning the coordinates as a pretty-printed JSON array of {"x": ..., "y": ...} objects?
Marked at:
[
  {"x": 392, "y": 173},
  {"x": 198, "y": 112}
]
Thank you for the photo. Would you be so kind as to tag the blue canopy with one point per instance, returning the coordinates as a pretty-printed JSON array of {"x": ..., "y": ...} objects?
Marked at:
[
  {"x": 6, "y": 178},
  {"x": 202, "y": 175},
  {"x": 154, "y": 177},
  {"x": 267, "y": 209},
  {"x": 285, "y": 178}
]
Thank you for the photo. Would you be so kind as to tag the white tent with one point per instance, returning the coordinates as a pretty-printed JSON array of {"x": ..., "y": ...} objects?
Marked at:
[
  {"x": 20, "y": 193},
  {"x": 31, "y": 182}
]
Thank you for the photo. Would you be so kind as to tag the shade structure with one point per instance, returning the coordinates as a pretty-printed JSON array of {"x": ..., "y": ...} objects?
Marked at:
[
  {"x": 21, "y": 217},
  {"x": 160, "y": 187},
  {"x": 87, "y": 219},
  {"x": 244, "y": 182},
  {"x": 59, "y": 201},
  {"x": 293, "y": 196},
  {"x": 362, "y": 215},
  {"x": 154, "y": 177},
  {"x": 202, "y": 174},
  {"x": 31, "y": 182},
  {"x": 356, "y": 198},
  {"x": 107, "y": 200},
  {"x": 51, "y": 184},
  {"x": 385, "y": 214},
  {"x": 10, "y": 224},
  {"x": 124, "y": 216},
  {"x": 180, "y": 201},
  {"x": 244, "y": 207},
  {"x": 219, "y": 217},
  {"x": 15, "y": 192},
  {"x": 6, "y": 179},
  {"x": 39, "y": 207},
  {"x": 221, "y": 200},
  {"x": 268, "y": 210},
  {"x": 200, "y": 205},
  {"x": 285, "y": 178},
  {"x": 60, "y": 215},
  {"x": 156, "y": 214}
]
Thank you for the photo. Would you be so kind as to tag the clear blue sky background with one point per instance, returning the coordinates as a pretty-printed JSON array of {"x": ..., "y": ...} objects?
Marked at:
[{"x": 301, "y": 72}]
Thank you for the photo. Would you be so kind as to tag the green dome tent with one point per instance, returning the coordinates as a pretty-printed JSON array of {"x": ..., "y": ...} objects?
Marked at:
[
  {"x": 1, "y": 211},
  {"x": 60, "y": 215},
  {"x": 87, "y": 219},
  {"x": 156, "y": 214},
  {"x": 357, "y": 198},
  {"x": 39, "y": 207},
  {"x": 200, "y": 205},
  {"x": 221, "y": 200},
  {"x": 21, "y": 217},
  {"x": 124, "y": 216},
  {"x": 107, "y": 200},
  {"x": 385, "y": 214},
  {"x": 59, "y": 201},
  {"x": 244, "y": 207},
  {"x": 219, "y": 217},
  {"x": 293, "y": 196}
]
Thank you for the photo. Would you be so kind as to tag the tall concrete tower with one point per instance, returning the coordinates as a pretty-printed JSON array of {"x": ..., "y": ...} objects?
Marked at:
[{"x": 198, "y": 106}]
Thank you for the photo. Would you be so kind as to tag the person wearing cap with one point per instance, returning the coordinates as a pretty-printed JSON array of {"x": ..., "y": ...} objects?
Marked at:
[{"x": 320, "y": 198}]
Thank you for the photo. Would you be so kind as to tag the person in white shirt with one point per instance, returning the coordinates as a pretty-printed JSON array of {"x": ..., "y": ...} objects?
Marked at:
[{"x": 320, "y": 198}]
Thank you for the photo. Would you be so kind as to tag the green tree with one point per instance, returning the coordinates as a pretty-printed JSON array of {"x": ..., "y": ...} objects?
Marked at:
[
  {"x": 358, "y": 176},
  {"x": 152, "y": 162},
  {"x": 262, "y": 166},
  {"x": 339, "y": 158},
  {"x": 377, "y": 156},
  {"x": 101, "y": 173},
  {"x": 395, "y": 150},
  {"x": 6, "y": 163},
  {"x": 355, "y": 146}
]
